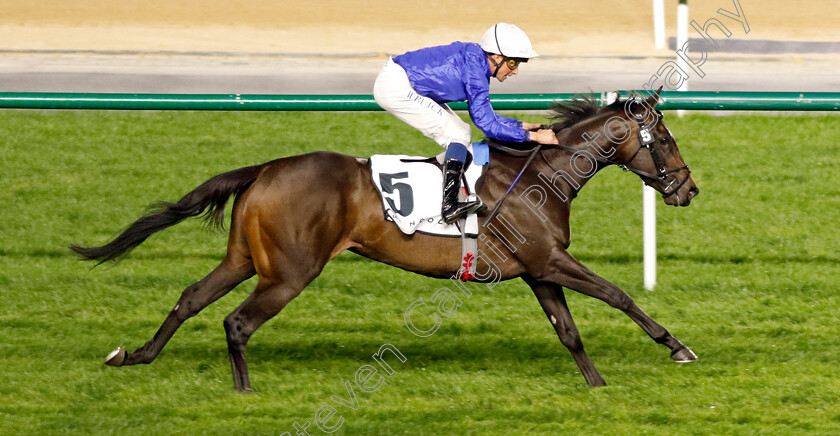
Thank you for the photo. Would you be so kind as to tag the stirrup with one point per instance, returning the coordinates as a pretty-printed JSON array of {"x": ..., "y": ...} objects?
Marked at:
[
  {"x": 479, "y": 205},
  {"x": 462, "y": 209}
]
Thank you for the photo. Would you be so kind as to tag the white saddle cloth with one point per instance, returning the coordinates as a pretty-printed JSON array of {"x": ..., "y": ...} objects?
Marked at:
[{"x": 412, "y": 192}]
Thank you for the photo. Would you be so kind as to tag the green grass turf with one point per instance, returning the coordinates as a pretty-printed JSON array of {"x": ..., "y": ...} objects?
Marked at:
[{"x": 747, "y": 279}]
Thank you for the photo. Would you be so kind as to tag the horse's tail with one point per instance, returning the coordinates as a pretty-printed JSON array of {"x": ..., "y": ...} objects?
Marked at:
[{"x": 211, "y": 196}]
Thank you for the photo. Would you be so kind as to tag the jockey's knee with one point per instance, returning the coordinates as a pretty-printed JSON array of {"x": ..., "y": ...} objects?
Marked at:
[{"x": 456, "y": 151}]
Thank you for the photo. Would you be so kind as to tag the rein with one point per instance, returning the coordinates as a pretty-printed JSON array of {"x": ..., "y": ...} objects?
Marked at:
[
  {"x": 661, "y": 173},
  {"x": 517, "y": 152},
  {"x": 531, "y": 153}
]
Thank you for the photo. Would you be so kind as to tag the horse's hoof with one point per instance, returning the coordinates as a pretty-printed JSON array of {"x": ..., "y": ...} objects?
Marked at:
[
  {"x": 683, "y": 355},
  {"x": 117, "y": 357}
]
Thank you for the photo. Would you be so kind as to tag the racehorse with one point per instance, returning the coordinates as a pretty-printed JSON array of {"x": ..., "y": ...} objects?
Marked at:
[{"x": 292, "y": 215}]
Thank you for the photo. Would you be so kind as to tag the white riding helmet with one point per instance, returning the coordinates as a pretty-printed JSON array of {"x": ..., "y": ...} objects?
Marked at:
[{"x": 507, "y": 40}]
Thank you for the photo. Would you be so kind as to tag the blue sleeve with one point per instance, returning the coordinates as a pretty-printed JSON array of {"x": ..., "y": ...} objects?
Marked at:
[
  {"x": 509, "y": 121},
  {"x": 477, "y": 88}
]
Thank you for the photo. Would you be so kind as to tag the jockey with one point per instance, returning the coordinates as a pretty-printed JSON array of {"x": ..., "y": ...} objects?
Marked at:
[{"x": 416, "y": 86}]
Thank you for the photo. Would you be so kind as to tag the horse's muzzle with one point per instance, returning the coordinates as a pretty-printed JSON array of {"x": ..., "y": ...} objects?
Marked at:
[{"x": 684, "y": 194}]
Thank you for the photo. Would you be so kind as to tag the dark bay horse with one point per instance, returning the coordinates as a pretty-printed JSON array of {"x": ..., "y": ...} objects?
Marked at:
[{"x": 292, "y": 215}]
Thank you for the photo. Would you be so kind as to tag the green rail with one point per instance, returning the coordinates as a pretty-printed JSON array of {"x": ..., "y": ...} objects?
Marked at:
[{"x": 758, "y": 101}]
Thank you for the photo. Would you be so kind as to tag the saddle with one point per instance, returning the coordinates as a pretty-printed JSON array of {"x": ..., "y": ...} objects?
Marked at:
[{"x": 410, "y": 190}]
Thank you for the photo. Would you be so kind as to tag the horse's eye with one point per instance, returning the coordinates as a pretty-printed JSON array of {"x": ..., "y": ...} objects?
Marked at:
[{"x": 663, "y": 140}]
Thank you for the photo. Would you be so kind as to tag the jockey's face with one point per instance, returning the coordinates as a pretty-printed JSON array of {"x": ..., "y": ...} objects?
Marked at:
[{"x": 507, "y": 68}]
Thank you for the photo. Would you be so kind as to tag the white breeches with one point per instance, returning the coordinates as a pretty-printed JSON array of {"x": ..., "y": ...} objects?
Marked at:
[{"x": 395, "y": 94}]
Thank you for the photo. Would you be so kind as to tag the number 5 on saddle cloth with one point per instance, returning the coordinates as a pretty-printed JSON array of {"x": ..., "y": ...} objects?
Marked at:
[{"x": 411, "y": 194}]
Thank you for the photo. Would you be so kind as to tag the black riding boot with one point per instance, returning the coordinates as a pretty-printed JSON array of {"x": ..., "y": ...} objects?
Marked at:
[{"x": 451, "y": 209}]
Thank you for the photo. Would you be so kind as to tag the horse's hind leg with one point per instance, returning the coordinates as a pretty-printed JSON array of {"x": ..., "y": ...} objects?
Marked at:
[
  {"x": 266, "y": 301},
  {"x": 553, "y": 302},
  {"x": 194, "y": 298},
  {"x": 279, "y": 284},
  {"x": 568, "y": 272}
]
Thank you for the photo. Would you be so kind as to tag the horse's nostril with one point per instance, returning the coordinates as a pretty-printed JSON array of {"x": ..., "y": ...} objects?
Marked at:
[{"x": 693, "y": 192}]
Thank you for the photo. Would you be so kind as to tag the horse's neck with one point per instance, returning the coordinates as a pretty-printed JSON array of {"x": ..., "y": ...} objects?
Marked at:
[
  {"x": 565, "y": 173},
  {"x": 561, "y": 171},
  {"x": 549, "y": 174}
]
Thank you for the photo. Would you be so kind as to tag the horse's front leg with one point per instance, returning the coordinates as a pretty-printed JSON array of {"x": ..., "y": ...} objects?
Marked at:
[
  {"x": 553, "y": 302},
  {"x": 566, "y": 271}
]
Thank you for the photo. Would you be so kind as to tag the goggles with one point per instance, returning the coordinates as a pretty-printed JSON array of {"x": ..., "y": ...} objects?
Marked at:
[{"x": 513, "y": 63}]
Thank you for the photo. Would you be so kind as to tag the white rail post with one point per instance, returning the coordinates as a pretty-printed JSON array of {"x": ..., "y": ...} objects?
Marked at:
[
  {"x": 649, "y": 194},
  {"x": 649, "y": 235},
  {"x": 659, "y": 23},
  {"x": 682, "y": 38}
]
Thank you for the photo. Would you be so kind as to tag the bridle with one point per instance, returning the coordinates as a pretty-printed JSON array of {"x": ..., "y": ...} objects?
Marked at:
[{"x": 647, "y": 141}]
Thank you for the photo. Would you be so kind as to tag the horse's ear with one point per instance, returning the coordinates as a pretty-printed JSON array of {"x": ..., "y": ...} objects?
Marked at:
[
  {"x": 653, "y": 99},
  {"x": 612, "y": 97}
]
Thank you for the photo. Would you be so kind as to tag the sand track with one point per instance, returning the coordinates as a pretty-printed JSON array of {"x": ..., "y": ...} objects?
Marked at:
[{"x": 380, "y": 26}]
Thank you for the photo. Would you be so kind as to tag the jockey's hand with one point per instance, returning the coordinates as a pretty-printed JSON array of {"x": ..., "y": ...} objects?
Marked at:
[
  {"x": 533, "y": 127},
  {"x": 543, "y": 136}
]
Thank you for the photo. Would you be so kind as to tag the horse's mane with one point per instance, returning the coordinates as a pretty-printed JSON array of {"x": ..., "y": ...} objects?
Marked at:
[
  {"x": 568, "y": 113},
  {"x": 564, "y": 115}
]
